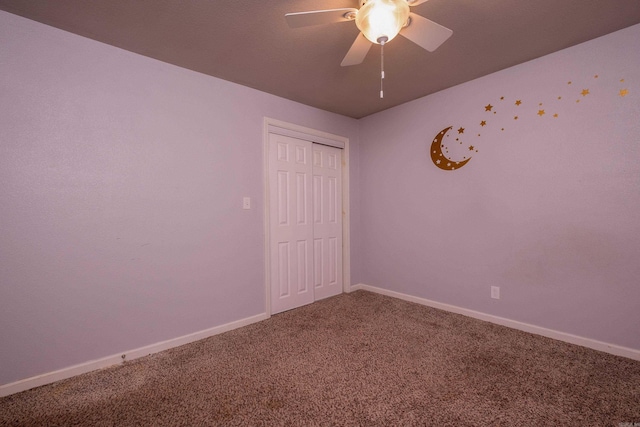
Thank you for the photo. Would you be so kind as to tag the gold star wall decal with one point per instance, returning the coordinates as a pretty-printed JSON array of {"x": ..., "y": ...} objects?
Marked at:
[{"x": 489, "y": 127}]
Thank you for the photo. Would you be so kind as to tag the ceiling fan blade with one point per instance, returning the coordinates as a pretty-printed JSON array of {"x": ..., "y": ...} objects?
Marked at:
[
  {"x": 318, "y": 17},
  {"x": 415, "y": 2},
  {"x": 425, "y": 33},
  {"x": 357, "y": 51}
]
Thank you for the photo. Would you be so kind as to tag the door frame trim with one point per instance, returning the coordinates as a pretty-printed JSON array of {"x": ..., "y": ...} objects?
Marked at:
[{"x": 319, "y": 137}]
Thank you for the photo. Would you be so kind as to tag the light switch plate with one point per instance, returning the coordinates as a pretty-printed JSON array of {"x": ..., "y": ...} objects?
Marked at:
[{"x": 246, "y": 203}]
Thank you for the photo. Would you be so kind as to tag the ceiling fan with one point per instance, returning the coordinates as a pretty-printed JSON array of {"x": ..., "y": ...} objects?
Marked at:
[{"x": 379, "y": 21}]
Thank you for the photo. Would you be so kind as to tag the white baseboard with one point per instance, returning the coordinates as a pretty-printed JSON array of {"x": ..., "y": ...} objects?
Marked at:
[
  {"x": 82, "y": 368},
  {"x": 115, "y": 359},
  {"x": 549, "y": 333}
]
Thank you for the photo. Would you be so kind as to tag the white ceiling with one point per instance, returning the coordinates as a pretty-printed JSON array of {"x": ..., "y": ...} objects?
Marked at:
[{"x": 248, "y": 42}]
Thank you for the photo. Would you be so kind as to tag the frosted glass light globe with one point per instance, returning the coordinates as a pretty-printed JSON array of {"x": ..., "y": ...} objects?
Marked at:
[{"x": 382, "y": 20}]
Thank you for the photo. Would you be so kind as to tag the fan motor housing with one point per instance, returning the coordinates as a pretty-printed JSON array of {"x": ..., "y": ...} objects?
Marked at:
[{"x": 363, "y": 2}]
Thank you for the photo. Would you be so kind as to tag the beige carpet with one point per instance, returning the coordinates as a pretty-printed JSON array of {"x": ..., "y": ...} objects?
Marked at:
[{"x": 354, "y": 360}]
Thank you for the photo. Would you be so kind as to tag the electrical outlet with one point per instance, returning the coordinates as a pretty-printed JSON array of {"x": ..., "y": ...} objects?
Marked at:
[
  {"x": 246, "y": 203},
  {"x": 495, "y": 292}
]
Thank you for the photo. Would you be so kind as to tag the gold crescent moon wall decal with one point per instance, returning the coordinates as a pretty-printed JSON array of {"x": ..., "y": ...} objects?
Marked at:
[
  {"x": 497, "y": 114},
  {"x": 439, "y": 159}
]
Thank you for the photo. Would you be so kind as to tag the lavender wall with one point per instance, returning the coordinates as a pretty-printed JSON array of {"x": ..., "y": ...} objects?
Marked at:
[
  {"x": 121, "y": 185},
  {"x": 546, "y": 209}
]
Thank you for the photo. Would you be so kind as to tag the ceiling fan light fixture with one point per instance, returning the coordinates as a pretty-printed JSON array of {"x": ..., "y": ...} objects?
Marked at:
[{"x": 382, "y": 20}]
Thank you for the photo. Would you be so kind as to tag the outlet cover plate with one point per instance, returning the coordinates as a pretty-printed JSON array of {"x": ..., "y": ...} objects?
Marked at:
[{"x": 495, "y": 292}]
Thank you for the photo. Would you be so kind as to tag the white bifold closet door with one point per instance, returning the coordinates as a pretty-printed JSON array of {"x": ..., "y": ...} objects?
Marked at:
[{"x": 305, "y": 215}]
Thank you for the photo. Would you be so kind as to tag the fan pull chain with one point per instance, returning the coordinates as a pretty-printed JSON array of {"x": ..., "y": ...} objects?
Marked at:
[{"x": 382, "y": 68}]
